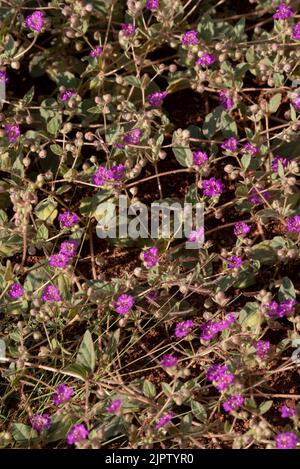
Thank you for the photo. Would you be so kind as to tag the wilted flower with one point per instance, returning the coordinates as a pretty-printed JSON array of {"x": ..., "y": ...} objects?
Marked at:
[
  {"x": 62, "y": 394},
  {"x": 283, "y": 12},
  {"x": 183, "y": 328},
  {"x": 58, "y": 260},
  {"x": 287, "y": 412},
  {"x": 77, "y": 433},
  {"x": 286, "y": 440},
  {"x": 206, "y": 60},
  {"x": 293, "y": 224},
  {"x": 51, "y": 294},
  {"x": 233, "y": 403},
  {"x": 241, "y": 228},
  {"x": 262, "y": 348},
  {"x": 150, "y": 257},
  {"x": 169, "y": 360},
  {"x": 230, "y": 145},
  {"x": 40, "y": 422},
  {"x": 199, "y": 158},
  {"x": 12, "y": 132},
  {"x": 163, "y": 421},
  {"x": 114, "y": 406},
  {"x": 68, "y": 219},
  {"x": 96, "y": 52},
  {"x": 212, "y": 187},
  {"x": 124, "y": 304},
  {"x": 36, "y": 21},
  {"x": 190, "y": 37},
  {"x": 156, "y": 98},
  {"x": 16, "y": 290}
]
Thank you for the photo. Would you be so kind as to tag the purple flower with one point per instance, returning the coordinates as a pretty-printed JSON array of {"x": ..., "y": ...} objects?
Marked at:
[
  {"x": 250, "y": 149},
  {"x": 128, "y": 29},
  {"x": 16, "y": 290},
  {"x": 212, "y": 328},
  {"x": 230, "y": 145},
  {"x": 114, "y": 406},
  {"x": 36, "y": 21},
  {"x": 169, "y": 360},
  {"x": 152, "y": 297},
  {"x": 234, "y": 262},
  {"x": 225, "y": 99},
  {"x": 220, "y": 376},
  {"x": 77, "y": 433},
  {"x": 66, "y": 95},
  {"x": 3, "y": 76},
  {"x": 156, "y": 98},
  {"x": 286, "y": 440},
  {"x": 116, "y": 173},
  {"x": 287, "y": 412},
  {"x": 150, "y": 257},
  {"x": 190, "y": 37},
  {"x": 12, "y": 132},
  {"x": 58, "y": 260},
  {"x": 262, "y": 348},
  {"x": 283, "y": 12},
  {"x": 296, "y": 102},
  {"x": 96, "y": 52},
  {"x": 199, "y": 158},
  {"x": 257, "y": 196},
  {"x": 51, "y": 294},
  {"x": 163, "y": 421},
  {"x": 212, "y": 187},
  {"x": 124, "y": 304},
  {"x": 275, "y": 310},
  {"x": 241, "y": 228},
  {"x": 68, "y": 248},
  {"x": 233, "y": 403},
  {"x": 100, "y": 176},
  {"x": 132, "y": 137},
  {"x": 296, "y": 31},
  {"x": 40, "y": 422},
  {"x": 206, "y": 60},
  {"x": 293, "y": 224},
  {"x": 152, "y": 5},
  {"x": 279, "y": 159},
  {"x": 68, "y": 219},
  {"x": 183, "y": 328},
  {"x": 62, "y": 394},
  {"x": 196, "y": 236}
]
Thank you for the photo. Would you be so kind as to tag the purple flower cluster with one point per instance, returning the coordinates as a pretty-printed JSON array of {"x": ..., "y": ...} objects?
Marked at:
[
  {"x": 16, "y": 290},
  {"x": 96, "y": 52},
  {"x": 196, "y": 236},
  {"x": 152, "y": 5},
  {"x": 241, "y": 228},
  {"x": 276, "y": 310},
  {"x": 210, "y": 329},
  {"x": 68, "y": 219},
  {"x": 262, "y": 348},
  {"x": 114, "y": 406},
  {"x": 62, "y": 394},
  {"x": 132, "y": 137},
  {"x": 36, "y": 21},
  {"x": 250, "y": 149},
  {"x": 183, "y": 328},
  {"x": 233, "y": 403},
  {"x": 40, "y": 422},
  {"x": 283, "y": 12},
  {"x": 150, "y": 257},
  {"x": 257, "y": 196},
  {"x": 12, "y": 132},
  {"x": 296, "y": 31},
  {"x": 220, "y": 376},
  {"x": 128, "y": 29},
  {"x": 51, "y": 294},
  {"x": 77, "y": 434},
  {"x": 225, "y": 99},
  {"x": 124, "y": 304},
  {"x": 212, "y": 187},
  {"x": 287, "y": 412},
  {"x": 66, "y": 252},
  {"x": 3, "y": 76},
  {"x": 190, "y": 38},
  {"x": 168, "y": 360},
  {"x": 156, "y": 98},
  {"x": 293, "y": 224},
  {"x": 279, "y": 159},
  {"x": 163, "y": 421},
  {"x": 206, "y": 60},
  {"x": 286, "y": 440},
  {"x": 66, "y": 95},
  {"x": 58, "y": 261},
  {"x": 230, "y": 145},
  {"x": 234, "y": 262},
  {"x": 105, "y": 176},
  {"x": 199, "y": 158},
  {"x": 296, "y": 102}
]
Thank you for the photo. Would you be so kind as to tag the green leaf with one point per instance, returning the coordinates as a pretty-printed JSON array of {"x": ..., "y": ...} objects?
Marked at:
[
  {"x": 23, "y": 433},
  {"x": 212, "y": 122},
  {"x": 245, "y": 160},
  {"x": 186, "y": 423},
  {"x": 149, "y": 390},
  {"x": 286, "y": 290},
  {"x": 56, "y": 149},
  {"x": 59, "y": 429},
  {"x": 28, "y": 96},
  {"x": 184, "y": 156},
  {"x": 250, "y": 316},
  {"x": 54, "y": 125},
  {"x": 274, "y": 103},
  {"x": 166, "y": 389},
  {"x": 89, "y": 205},
  {"x": 264, "y": 253},
  {"x": 132, "y": 80},
  {"x": 46, "y": 210},
  {"x": 265, "y": 406},
  {"x": 86, "y": 354},
  {"x": 199, "y": 411}
]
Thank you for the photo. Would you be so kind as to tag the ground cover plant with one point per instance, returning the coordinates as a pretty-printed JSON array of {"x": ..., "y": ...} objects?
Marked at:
[{"x": 143, "y": 343}]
